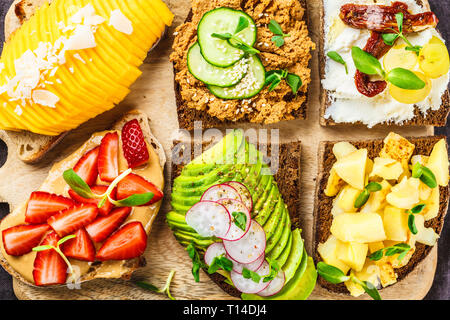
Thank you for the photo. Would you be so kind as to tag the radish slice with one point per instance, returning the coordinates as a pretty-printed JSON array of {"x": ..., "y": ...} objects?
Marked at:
[
  {"x": 250, "y": 247},
  {"x": 220, "y": 191},
  {"x": 248, "y": 285},
  {"x": 209, "y": 218},
  {"x": 245, "y": 194},
  {"x": 275, "y": 285},
  {"x": 237, "y": 267},
  {"x": 214, "y": 250},
  {"x": 235, "y": 233}
]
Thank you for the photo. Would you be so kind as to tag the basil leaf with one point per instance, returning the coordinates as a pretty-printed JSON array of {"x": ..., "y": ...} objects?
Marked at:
[
  {"x": 333, "y": 55},
  {"x": 418, "y": 209},
  {"x": 417, "y": 170},
  {"x": 43, "y": 248},
  {"x": 275, "y": 27},
  {"x": 77, "y": 184},
  {"x": 370, "y": 289},
  {"x": 294, "y": 81},
  {"x": 399, "y": 18},
  {"x": 278, "y": 40},
  {"x": 374, "y": 187},
  {"x": 242, "y": 24},
  {"x": 377, "y": 255},
  {"x": 366, "y": 63},
  {"x": 147, "y": 286},
  {"x": 362, "y": 198},
  {"x": 134, "y": 200},
  {"x": 222, "y": 36},
  {"x": 248, "y": 274},
  {"x": 428, "y": 178},
  {"x": 412, "y": 224},
  {"x": 240, "y": 220},
  {"x": 405, "y": 79},
  {"x": 330, "y": 273}
]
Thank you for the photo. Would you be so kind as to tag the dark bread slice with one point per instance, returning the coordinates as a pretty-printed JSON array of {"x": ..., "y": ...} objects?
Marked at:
[
  {"x": 187, "y": 116},
  {"x": 287, "y": 178},
  {"x": 433, "y": 117},
  {"x": 323, "y": 204}
]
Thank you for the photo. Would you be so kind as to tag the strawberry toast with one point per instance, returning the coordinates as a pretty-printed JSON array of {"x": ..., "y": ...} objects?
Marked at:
[{"x": 91, "y": 216}]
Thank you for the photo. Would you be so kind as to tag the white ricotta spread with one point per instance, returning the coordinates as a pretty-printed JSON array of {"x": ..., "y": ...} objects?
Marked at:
[{"x": 347, "y": 104}]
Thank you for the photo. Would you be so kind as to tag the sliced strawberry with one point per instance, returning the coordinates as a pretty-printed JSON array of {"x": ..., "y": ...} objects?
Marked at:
[
  {"x": 103, "y": 227},
  {"x": 106, "y": 208},
  {"x": 134, "y": 146},
  {"x": 22, "y": 239},
  {"x": 42, "y": 205},
  {"x": 128, "y": 242},
  {"x": 134, "y": 184},
  {"x": 108, "y": 161},
  {"x": 49, "y": 267},
  {"x": 86, "y": 167},
  {"x": 70, "y": 220},
  {"x": 80, "y": 247}
]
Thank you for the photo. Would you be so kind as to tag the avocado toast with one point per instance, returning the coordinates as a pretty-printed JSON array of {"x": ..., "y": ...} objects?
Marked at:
[
  {"x": 392, "y": 269},
  {"x": 274, "y": 206}
]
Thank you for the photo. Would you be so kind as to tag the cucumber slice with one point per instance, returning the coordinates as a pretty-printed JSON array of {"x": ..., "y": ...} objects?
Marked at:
[
  {"x": 250, "y": 85},
  {"x": 219, "y": 52},
  {"x": 212, "y": 75}
]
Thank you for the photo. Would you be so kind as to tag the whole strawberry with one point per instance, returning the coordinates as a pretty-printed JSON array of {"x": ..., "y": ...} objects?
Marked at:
[{"x": 134, "y": 145}]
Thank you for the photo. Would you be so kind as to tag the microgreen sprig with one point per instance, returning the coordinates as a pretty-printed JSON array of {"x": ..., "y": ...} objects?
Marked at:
[
  {"x": 400, "y": 248},
  {"x": 58, "y": 250},
  {"x": 240, "y": 220},
  {"x": 220, "y": 262},
  {"x": 165, "y": 289},
  {"x": 234, "y": 41},
  {"x": 425, "y": 175},
  {"x": 365, "y": 194},
  {"x": 335, "y": 275},
  {"x": 274, "y": 78},
  {"x": 273, "y": 271},
  {"x": 196, "y": 262},
  {"x": 400, "y": 77},
  {"x": 248, "y": 274},
  {"x": 278, "y": 38},
  {"x": 338, "y": 58},
  {"x": 77, "y": 184},
  {"x": 390, "y": 38},
  {"x": 411, "y": 218}
]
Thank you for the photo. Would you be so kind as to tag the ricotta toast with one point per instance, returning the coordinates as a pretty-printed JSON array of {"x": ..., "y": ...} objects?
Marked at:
[{"x": 374, "y": 27}]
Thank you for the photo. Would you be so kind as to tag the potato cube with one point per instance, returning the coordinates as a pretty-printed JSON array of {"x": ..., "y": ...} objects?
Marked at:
[
  {"x": 377, "y": 200},
  {"x": 352, "y": 168},
  {"x": 343, "y": 149},
  {"x": 387, "y": 273},
  {"x": 398, "y": 148},
  {"x": 353, "y": 254},
  {"x": 328, "y": 252},
  {"x": 431, "y": 209},
  {"x": 395, "y": 223},
  {"x": 358, "y": 227},
  {"x": 347, "y": 199},
  {"x": 425, "y": 236},
  {"x": 386, "y": 168},
  {"x": 404, "y": 195},
  {"x": 369, "y": 273},
  {"x": 420, "y": 159},
  {"x": 334, "y": 184},
  {"x": 438, "y": 162}
]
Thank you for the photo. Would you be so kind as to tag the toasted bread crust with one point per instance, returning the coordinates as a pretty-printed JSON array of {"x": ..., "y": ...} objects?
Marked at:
[
  {"x": 129, "y": 265},
  {"x": 433, "y": 117},
  {"x": 187, "y": 116},
  {"x": 323, "y": 204},
  {"x": 288, "y": 180}
]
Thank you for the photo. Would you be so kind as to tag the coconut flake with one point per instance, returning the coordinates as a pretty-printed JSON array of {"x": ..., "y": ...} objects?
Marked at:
[
  {"x": 82, "y": 38},
  {"x": 45, "y": 98},
  {"x": 120, "y": 22}
]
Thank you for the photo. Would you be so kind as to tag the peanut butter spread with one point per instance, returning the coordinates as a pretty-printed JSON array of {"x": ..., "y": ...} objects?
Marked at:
[
  {"x": 266, "y": 107},
  {"x": 56, "y": 184}
]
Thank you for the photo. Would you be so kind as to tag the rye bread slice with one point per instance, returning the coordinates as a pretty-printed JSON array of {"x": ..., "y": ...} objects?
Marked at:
[
  {"x": 288, "y": 180},
  {"x": 433, "y": 117},
  {"x": 323, "y": 204},
  {"x": 187, "y": 116}
]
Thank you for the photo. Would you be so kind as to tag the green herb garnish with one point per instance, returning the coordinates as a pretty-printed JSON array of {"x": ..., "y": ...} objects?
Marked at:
[
  {"x": 365, "y": 194},
  {"x": 274, "y": 78},
  {"x": 273, "y": 271},
  {"x": 196, "y": 262},
  {"x": 390, "y": 38},
  {"x": 411, "y": 218},
  {"x": 248, "y": 274},
  {"x": 242, "y": 24},
  {"x": 402, "y": 78},
  {"x": 425, "y": 175},
  {"x": 335, "y": 275},
  {"x": 278, "y": 38},
  {"x": 400, "y": 248},
  {"x": 58, "y": 250},
  {"x": 77, "y": 184},
  {"x": 240, "y": 220},
  {"x": 220, "y": 262},
  {"x": 338, "y": 58},
  {"x": 165, "y": 289}
]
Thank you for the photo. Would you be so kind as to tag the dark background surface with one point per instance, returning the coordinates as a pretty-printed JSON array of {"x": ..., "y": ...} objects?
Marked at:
[{"x": 441, "y": 285}]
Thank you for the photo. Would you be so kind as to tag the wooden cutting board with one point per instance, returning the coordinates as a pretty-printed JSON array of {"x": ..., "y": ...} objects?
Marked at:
[{"x": 153, "y": 93}]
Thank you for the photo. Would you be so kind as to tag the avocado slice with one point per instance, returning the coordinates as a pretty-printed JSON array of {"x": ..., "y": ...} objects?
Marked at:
[
  {"x": 295, "y": 257},
  {"x": 268, "y": 207},
  {"x": 275, "y": 225},
  {"x": 286, "y": 251},
  {"x": 299, "y": 288},
  {"x": 285, "y": 234}
]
